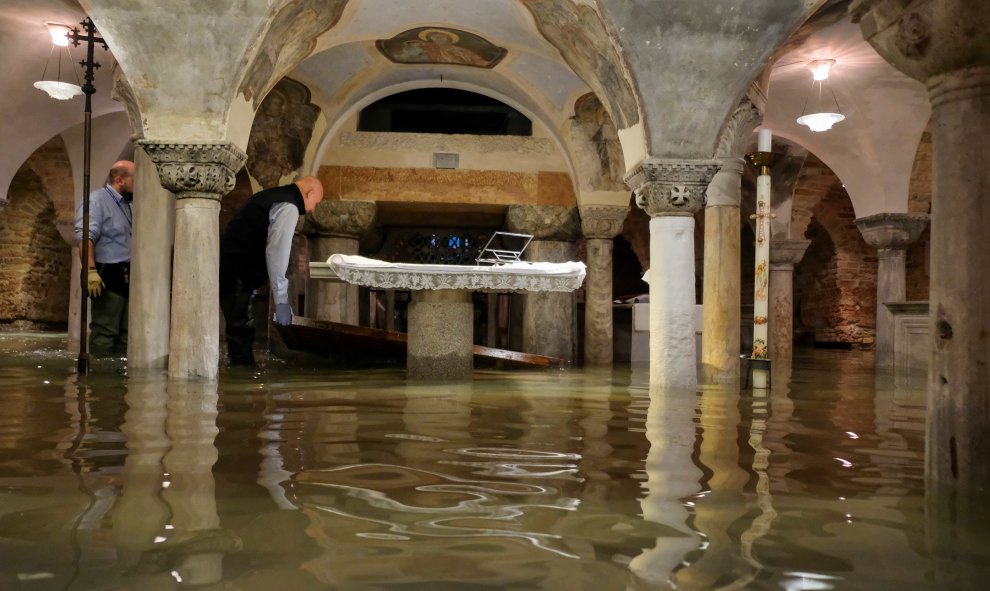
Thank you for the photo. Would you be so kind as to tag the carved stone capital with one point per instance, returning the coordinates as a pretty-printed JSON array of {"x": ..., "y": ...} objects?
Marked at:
[
  {"x": 349, "y": 219},
  {"x": 892, "y": 230},
  {"x": 544, "y": 222},
  {"x": 925, "y": 38},
  {"x": 785, "y": 253},
  {"x": 203, "y": 170},
  {"x": 602, "y": 221},
  {"x": 671, "y": 187}
]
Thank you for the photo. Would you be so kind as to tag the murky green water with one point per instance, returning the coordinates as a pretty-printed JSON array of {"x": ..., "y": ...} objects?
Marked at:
[{"x": 301, "y": 478}]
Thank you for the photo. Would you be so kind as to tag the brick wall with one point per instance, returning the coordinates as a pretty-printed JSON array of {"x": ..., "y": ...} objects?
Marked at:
[
  {"x": 835, "y": 284},
  {"x": 34, "y": 259}
]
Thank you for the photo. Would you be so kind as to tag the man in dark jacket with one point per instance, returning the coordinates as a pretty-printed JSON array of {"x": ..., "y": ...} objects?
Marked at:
[{"x": 255, "y": 247}]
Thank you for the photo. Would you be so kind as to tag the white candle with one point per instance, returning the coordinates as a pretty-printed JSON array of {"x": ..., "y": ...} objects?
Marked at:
[{"x": 763, "y": 143}]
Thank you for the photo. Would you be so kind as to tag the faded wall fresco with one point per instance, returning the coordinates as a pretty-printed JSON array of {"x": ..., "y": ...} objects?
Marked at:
[
  {"x": 281, "y": 131},
  {"x": 440, "y": 45},
  {"x": 290, "y": 38},
  {"x": 583, "y": 42},
  {"x": 597, "y": 146}
]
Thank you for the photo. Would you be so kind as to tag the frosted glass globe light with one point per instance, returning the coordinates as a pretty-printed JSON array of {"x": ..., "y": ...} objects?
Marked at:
[
  {"x": 62, "y": 91},
  {"x": 820, "y": 121}
]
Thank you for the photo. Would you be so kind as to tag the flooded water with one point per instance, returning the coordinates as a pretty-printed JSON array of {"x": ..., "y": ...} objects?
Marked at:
[{"x": 302, "y": 478}]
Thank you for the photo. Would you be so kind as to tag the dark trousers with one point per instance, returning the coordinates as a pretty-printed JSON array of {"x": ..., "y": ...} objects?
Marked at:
[
  {"x": 108, "y": 325},
  {"x": 235, "y": 303}
]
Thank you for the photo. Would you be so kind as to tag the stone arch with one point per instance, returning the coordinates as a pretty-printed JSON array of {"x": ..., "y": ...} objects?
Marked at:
[
  {"x": 815, "y": 181},
  {"x": 835, "y": 283},
  {"x": 34, "y": 276},
  {"x": 920, "y": 201},
  {"x": 333, "y": 127}
]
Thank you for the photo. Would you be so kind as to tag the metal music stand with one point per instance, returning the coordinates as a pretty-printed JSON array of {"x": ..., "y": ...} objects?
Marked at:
[{"x": 503, "y": 247}]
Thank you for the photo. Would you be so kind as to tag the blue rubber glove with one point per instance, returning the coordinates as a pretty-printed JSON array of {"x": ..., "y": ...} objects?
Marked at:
[{"x": 283, "y": 314}]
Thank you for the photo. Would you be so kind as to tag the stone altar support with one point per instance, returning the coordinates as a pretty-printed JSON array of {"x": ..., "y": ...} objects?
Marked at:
[{"x": 441, "y": 313}]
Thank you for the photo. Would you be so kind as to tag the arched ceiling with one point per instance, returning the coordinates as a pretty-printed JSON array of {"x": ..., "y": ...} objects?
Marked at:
[
  {"x": 872, "y": 150},
  {"x": 30, "y": 117}
]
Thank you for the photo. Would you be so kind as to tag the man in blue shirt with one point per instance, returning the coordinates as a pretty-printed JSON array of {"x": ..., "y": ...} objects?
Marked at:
[
  {"x": 109, "y": 261},
  {"x": 255, "y": 247}
]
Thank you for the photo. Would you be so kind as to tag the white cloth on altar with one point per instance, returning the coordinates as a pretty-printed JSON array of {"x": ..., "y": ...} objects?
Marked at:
[{"x": 514, "y": 276}]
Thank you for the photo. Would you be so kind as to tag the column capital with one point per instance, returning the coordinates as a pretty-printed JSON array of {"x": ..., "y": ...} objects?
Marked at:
[
  {"x": 724, "y": 190},
  {"x": 671, "y": 187},
  {"x": 544, "y": 222},
  {"x": 926, "y": 38},
  {"x": 200, "y": 170},
  {"x": 892, "y": 230},
  {"x": 786, "y": 252},
  {"x": 348, "y": 219},
  {"x": 602, "y": 221}
]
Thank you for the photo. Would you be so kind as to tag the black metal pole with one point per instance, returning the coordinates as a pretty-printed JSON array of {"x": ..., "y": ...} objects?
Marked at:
[{"x": 88, "y": 89}]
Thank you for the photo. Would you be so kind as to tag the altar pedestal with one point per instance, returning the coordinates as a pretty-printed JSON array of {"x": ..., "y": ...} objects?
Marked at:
[
  {"x": 441, "y": 313},
  {"x": 440, "y": 331}
]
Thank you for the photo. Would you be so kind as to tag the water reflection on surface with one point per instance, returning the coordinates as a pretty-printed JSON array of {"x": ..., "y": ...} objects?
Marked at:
[{"x": 315, "y": 479}]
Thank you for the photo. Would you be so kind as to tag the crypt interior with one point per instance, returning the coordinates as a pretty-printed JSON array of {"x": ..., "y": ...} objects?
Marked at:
[{"x": 615, "y": 133}]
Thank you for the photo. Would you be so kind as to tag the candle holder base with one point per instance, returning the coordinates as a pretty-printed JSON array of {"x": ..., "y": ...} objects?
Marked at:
[{"x": 759, "y": 380}]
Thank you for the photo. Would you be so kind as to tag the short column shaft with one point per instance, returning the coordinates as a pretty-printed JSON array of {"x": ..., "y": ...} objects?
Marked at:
[{"x": 600, "y": 225}]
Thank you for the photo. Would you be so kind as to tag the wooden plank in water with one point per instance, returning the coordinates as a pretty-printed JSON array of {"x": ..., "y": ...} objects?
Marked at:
[{"x": 361, "y": 341}]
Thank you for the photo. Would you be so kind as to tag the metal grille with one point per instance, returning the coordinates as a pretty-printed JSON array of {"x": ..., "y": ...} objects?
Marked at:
[{"x": 435, "y": 247}]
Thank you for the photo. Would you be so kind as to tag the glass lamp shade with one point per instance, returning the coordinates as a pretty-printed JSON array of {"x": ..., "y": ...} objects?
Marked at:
[
  {"x": 58, "y": 90},
  {"x": 820, "y": 121}
]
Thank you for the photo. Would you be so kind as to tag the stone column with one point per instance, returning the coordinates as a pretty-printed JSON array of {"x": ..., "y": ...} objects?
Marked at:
[
  {"x": 891, "y": 234},
  {"x": 784, "y": 254},
  {"x": 199, "y": 174},
  {"x": 548, "y": 317},
  {"x": 600, "y": 225},
  {"x": 67, "y": 230},
  {"x": 335, "y": 227},
  {"x": 943, "y": 43},
  {"x": 151, "y": 268},
  {"x": 721, "y": 315},
  {"x": 672, "y": 191}
]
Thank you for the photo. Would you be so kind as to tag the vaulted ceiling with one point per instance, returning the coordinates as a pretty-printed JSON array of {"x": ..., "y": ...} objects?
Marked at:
[{"x": 554, "y": 54}]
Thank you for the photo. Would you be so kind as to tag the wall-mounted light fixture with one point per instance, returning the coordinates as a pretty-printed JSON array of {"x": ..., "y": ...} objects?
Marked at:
[
  {"x": 823, "y": 116},
  {"x": 56, "y": 88}
]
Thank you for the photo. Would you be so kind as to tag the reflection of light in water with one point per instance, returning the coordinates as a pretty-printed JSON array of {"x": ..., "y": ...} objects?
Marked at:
[
  {"x": 532, "y": 469},
  {"x": 426, "y": 519},
  {"x": 807, "y": 581}
]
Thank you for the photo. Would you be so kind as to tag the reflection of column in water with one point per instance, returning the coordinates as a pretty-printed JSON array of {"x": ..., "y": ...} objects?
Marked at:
[
  {"x": 435, "y": 419},
  {"x": 140, "y": 514},
  {"x": 721, "y": 505},
  {"x": 191, "y": 424},
  {"x": 761, "y": 460},
  {"x": 956, "y": 523},
  {"x": 672, "y": 477}
]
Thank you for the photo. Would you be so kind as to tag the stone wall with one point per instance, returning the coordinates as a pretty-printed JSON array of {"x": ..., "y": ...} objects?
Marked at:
[{"x": 34, "y": 259}]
